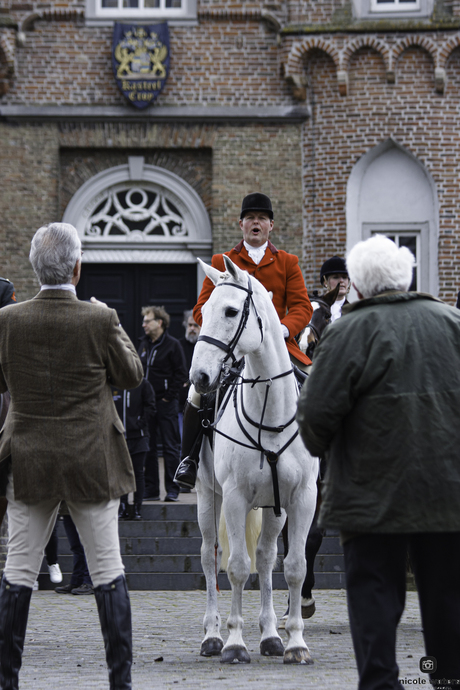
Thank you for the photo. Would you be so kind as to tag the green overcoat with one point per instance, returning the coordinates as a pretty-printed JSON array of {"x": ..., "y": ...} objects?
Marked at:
[{"x": 383, "y": 403}]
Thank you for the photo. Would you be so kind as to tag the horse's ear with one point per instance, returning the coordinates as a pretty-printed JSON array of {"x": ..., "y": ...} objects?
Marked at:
[
  {"x": 236, "y": 273},
  {"x": 212, "y": 273},
  {"x": 270, "y": 294}
]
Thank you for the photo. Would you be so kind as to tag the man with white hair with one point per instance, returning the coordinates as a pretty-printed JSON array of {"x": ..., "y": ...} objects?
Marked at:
[
  {"x": 63, "y": 440},
  {"x": 381, "y": 403}
]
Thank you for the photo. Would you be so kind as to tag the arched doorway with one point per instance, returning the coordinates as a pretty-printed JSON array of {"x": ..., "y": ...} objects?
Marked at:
[
  {"x": 142, "y": 229},
  {"x": 391, "y": 192}
]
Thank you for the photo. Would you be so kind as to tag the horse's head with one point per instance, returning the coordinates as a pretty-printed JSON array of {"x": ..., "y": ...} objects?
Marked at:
[{"x": 233, "y": 323}]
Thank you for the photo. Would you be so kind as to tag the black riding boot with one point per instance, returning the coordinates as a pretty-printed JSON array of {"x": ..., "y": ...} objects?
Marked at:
[
  {"x": 192, "y": 435},
  {"x": 115, "y": 616},
  {"x": 14, "y": 612}
]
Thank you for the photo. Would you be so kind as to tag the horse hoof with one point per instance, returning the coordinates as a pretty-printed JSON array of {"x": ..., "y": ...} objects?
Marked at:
[
  {"x": 297, "y": 655},
  {"x": 236, "y": 655},
  {"x": 211, "y": 647},
  {"x": 309, "y": 608},
  {"x": 272, "y": 646}
]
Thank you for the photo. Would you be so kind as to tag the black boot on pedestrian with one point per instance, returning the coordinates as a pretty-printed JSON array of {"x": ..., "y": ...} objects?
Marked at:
[
  {"x": 192, "y": 435},
  {"x": 14, "y": 612},
  {"x": 114, "y": 610},
  {"x": 137, "y": 511},
  {"x": 122, "y": 514}
]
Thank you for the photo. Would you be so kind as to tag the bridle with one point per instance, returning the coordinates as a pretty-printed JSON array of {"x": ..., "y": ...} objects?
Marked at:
[{"x": 230, "y": 347}]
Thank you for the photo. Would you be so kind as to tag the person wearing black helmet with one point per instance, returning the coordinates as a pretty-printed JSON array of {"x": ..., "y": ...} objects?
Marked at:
[
  {"x": 279, "y": 272},
  {"x": 334, "y": 272}
]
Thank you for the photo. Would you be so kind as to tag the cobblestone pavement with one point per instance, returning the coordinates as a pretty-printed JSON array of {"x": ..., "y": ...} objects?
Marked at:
[{"x": 64, "y": 648}]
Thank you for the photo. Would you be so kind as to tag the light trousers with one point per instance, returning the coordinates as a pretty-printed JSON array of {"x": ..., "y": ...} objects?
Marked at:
[{"x": 30, "y": 527}]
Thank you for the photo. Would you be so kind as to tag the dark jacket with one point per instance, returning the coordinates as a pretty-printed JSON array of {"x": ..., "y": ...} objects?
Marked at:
[
  {"x": 7, "y": 294},
  {"x": 164, "y": 365},
  {"x": 383, "y": 399},
  {"x": 135, "y": 407},
  {"x": 188, "y": 349}
]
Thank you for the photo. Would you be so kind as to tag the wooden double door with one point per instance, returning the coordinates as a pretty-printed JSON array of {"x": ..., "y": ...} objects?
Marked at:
[{"x": 129, "y": 287}]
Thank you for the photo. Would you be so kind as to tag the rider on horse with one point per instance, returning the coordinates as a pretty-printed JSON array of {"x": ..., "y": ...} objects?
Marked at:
[
  {"x": 279, "y": 272},
  {"x": 334, "y": 272}
]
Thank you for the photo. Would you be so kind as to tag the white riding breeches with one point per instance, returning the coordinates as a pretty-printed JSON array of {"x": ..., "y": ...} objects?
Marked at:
[{"x": 30, "y": 527}]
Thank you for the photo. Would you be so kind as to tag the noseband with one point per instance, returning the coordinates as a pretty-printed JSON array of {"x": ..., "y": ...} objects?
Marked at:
[{"x": 230, "y": 347}]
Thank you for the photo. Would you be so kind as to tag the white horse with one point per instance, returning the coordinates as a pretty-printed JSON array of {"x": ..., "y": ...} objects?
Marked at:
[{"x": 256, "y": 424}]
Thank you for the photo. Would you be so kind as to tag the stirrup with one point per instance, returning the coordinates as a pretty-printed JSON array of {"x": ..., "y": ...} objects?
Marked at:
[{"x": 186, "y": 473}]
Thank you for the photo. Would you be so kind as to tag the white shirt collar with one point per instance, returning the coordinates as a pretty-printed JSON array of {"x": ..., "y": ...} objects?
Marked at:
[
  {"x": 64, "y": 286},
  {"x": 256, "y": 253}
]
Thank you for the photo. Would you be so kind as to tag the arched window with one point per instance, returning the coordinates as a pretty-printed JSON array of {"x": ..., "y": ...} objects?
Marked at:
[
  {"x": 136, "y": 209},
  {"x": 391, "y": 192}
]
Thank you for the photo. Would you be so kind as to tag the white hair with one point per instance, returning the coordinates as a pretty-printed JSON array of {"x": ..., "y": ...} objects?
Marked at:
[
  {"x": 54, "y": 251},
  {"x": 377, "y": 264}
]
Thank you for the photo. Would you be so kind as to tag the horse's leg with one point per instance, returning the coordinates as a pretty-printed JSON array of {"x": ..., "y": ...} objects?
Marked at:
[
  {"x": 314, "y": 541},
  {"x": 313, "y": 545},
  {"x": 266, "y": 553},
  {"x": 209, "y": 506},
  {"x": 294, "y": 571},
  {"x": 238, "y": 569}
]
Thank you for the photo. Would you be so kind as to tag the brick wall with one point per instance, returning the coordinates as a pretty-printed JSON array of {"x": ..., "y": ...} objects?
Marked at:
[
  {"x": 45, "y": 165},
  {"x": 234, "y": 58},
  {"x": 219, "y": 62},
  {"x": 344, "y": 129}
]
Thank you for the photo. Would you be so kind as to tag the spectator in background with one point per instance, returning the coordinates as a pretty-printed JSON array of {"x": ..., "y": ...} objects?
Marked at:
[
  {"x": 7, "y": 293},
  {"x": 136, "y": 409},
  {"x": 188, "y": 342},
  {"x": 7, "y": 296},
  {"x": 164, "y": 367}
]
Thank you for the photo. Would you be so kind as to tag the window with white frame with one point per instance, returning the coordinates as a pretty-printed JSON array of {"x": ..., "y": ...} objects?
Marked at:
[
  {"x": 165, "y": 10},
  {"x": 395, "y": 5},
  {"x": 411, "y": 240},
  {"x": 391, "y": 9}
]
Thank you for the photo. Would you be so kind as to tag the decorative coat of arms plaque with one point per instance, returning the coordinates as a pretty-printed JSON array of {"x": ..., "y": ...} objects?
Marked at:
[{"x": 140, "y": 59}]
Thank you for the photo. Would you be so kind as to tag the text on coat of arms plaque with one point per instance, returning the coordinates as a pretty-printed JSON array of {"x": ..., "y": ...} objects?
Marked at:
[{"x": 140, "y": 59}]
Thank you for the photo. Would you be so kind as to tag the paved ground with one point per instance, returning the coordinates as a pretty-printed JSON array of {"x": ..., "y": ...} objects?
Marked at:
[{"x": 64, "y": 648}]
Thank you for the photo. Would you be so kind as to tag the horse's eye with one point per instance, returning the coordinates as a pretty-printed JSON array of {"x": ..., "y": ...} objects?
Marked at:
[{"x": 230, "y": 311}]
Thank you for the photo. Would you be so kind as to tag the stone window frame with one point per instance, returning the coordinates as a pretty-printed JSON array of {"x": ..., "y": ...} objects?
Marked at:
[
  {"x": 370, "y": 9},
  {"x": 359, "y": 228},
  {"x": 185, "y": 248},
  {"x": 95, "y": 14}
]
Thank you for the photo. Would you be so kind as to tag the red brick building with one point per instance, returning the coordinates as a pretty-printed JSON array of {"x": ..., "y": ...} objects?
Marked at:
[{"x": 345, "y": 113}]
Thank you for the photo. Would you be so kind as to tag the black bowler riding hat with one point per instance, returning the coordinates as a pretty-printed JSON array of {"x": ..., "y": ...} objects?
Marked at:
[
  {"x": 333, "y": 265},
  {"x": 257, "y": 202}
]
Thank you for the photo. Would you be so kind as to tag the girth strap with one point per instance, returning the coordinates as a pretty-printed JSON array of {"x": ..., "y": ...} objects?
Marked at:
[{"x": 272, "y": 460}]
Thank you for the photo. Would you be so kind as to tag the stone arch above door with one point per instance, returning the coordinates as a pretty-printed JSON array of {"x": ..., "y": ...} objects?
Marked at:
[
  {"x": 390, "y": 191},
  {"x": 138, "y": 213}
]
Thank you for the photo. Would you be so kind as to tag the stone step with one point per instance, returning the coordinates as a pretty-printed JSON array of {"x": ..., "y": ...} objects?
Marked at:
[{"x": 162, "y": 551}]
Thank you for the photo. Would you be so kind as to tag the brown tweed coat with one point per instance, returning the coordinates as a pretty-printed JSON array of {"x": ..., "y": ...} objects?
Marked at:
[{"x": 63, "y": 434}]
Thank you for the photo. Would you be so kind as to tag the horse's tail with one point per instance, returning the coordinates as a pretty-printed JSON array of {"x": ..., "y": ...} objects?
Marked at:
[{"x": 253, "y": 529}]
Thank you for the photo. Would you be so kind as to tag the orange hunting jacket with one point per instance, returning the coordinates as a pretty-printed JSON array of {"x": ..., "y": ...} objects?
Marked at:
[{"x": 279, "y": 272}]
